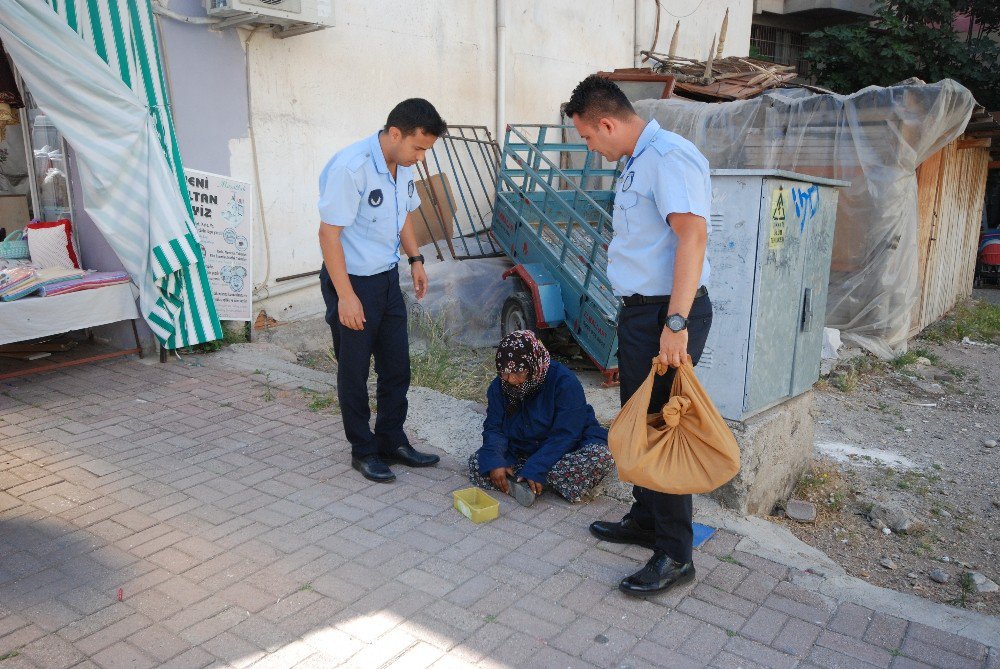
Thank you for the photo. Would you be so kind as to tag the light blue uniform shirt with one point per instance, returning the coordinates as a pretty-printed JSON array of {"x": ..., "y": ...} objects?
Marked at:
[
  {"x": 665, "y": 175},
  {"x": 357, "y": 192}
]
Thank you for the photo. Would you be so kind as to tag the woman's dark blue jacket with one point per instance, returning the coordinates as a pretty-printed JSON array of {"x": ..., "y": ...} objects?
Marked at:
[{"x": 551, "y": 423}]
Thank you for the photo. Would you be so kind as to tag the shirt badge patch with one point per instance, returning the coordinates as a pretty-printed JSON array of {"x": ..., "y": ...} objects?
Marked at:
[
  {"x": 627, "y": 181},
  {"x": 375, "y": 197},
  {"x": 409, "y": 188}
]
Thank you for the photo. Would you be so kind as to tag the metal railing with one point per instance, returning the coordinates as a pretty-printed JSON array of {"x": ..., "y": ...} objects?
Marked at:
[{"x": 458, "y": 180}]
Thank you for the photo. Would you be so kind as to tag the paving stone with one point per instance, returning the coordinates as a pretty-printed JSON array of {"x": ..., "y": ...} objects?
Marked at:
[
  {"x": 886, "y": 631},
  {"x": 659, "y": 656},
  {"x": 761, "y": 654},
  {"x": 831, "y": 659},
  {"x": 671, "y": 631},
  {"x": 51, "y": 652},
  {"x": 114, "y": 632},
  {"x": 903, "y": 662},
  {"x": 802, "y": 611},
  {"x": 704, "y": 642},
  {"x": 935, "y": 655},
  {"x": 851, "y": 619},
  {"x": 797, "y": 637},
  {"x": 232, "y": 649},
  {"x": 764, "y": 625},
  {"x": 855, "y": 648},
  {"x": 123, "y": 656},
  {"x": 159, "y": 642},
  {"x": 951, "y": 642},
  {"x": 726, "y": 576},
  {"x": 712, "y": 614},
  {"x": 727, "y": 660},
  {"x": 757, "y": 587}
]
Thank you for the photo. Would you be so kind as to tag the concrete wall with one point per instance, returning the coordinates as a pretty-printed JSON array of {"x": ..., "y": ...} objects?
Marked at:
[
  {"x": 699, "y": 22},
  {"x": 312, "y": 94}
]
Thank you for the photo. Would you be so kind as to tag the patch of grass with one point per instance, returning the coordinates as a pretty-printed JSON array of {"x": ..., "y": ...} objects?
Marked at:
[
  {"x": 849, "y": 372},
  {"x": 229, "y": 336},
  {"x": 729, "y": 558},
  {"x": 967, "y": 585},
  {"x": 305, "y": 587},
  {"x": 9, "y": 655},
  {"x": 268, "y": 390},
  {"x": 975, "y": 319},
  {"x": 441, "y": 363},
  {"x": 320, "y": 401},
  {"x": 904, "y": 360},
  {"x": 922, "y": 548},
  {"x": 846, "y": 381},
  {"x": 490, "y": 618},
  {"x": 823, "y": 485},
  {"x": 730, "y": 633}
]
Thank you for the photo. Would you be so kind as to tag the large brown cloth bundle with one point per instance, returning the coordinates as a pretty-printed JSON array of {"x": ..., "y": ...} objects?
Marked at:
[{"x": 686, "y": 448}]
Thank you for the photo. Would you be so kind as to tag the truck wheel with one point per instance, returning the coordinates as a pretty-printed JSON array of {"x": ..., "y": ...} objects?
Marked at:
[{"x": 518, "y": 313}]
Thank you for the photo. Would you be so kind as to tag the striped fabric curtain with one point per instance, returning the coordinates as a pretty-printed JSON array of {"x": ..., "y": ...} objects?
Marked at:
[{"x": 175, "y": 298}]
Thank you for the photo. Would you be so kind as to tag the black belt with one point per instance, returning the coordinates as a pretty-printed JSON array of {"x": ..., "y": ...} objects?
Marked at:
[{"x": 638, "y": 300}]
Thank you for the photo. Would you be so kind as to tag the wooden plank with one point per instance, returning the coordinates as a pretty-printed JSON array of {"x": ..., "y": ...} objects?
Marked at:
[
  {"x": 928, "y": 193},
  {"x": 951, "y": 255},
  {"x": 975, "y": 143}
]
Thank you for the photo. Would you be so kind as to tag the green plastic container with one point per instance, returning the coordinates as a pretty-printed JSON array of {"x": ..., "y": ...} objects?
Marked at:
[{"x": 476, "y": 505}]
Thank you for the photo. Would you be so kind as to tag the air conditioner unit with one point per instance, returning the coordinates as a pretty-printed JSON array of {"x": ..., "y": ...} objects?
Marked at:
[{"x": 286, "y": 17}]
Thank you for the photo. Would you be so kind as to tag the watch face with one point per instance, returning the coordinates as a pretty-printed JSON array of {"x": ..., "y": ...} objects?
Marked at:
[{"x": 676, "y": 323}]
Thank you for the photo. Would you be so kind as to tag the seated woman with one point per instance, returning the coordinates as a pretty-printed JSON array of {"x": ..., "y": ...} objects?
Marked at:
[{"x": 539, "y": 429}]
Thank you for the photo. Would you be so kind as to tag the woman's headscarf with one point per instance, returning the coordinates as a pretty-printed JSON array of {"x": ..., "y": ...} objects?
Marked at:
[{"x": 520, "y": 351}]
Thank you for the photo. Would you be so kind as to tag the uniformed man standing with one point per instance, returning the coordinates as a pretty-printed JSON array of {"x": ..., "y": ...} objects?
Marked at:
[
  {"x": 657, "y": 266},
  {"x": 365, "y": 204}
]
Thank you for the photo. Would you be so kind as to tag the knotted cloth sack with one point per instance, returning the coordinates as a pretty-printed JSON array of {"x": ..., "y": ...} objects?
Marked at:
[{"x": 686, "y": 448}]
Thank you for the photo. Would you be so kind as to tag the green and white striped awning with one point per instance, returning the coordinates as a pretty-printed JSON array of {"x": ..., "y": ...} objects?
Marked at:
[{"x": 106, "y": 95}]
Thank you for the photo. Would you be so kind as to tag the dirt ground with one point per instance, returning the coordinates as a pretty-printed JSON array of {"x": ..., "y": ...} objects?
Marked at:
[{"x": 906, "y": 443}]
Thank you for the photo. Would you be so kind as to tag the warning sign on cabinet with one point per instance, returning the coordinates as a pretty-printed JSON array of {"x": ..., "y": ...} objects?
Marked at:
[{"x": 778, "y": 216}]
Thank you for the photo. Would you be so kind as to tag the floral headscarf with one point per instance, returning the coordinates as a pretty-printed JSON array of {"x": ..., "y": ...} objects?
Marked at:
[{"x": 520, "y": 351}]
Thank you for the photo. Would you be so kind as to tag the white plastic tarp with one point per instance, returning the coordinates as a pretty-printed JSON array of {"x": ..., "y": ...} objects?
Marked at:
[{"x": 875, "y": 139}]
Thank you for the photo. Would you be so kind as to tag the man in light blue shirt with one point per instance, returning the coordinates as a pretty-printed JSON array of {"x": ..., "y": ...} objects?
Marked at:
[
  {"x": 366, "y": 196},
  {"x": 658, "y": 267}
]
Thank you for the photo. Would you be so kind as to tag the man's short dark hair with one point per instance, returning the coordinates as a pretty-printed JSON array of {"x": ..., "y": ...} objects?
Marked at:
[
  {"x": 598, "y": 97},
  {"x": 416, "y": 114}
]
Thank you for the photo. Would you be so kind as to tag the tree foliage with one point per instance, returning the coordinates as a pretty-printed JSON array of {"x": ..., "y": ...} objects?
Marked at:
[{"x": 913, "y": 38}]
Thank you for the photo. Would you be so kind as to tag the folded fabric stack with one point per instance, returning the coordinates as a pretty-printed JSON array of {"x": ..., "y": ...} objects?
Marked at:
[
  {"x": 13, "y": 277},
  {"x": 39, "y": 278},
  {"x": 90, "y": 280}
]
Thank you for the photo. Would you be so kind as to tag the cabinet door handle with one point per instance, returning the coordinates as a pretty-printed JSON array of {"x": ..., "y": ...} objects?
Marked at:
[{"x": 807, "y": 311}]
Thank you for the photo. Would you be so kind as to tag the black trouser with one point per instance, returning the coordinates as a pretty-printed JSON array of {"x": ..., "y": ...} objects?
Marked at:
[
  {"x": 639, "y": 329},
  {"x": 384, "y": 337}
]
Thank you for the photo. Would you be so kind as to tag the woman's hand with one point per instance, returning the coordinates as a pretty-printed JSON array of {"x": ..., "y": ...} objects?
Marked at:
[
  {"x": 498, "y": 477},
  {"x": 535, "y": 486}
]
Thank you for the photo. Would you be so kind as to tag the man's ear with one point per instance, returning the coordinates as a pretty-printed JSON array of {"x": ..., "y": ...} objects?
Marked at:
[
  {"x": 395, "y": 133},
  {"x": 609, "y": 125}
]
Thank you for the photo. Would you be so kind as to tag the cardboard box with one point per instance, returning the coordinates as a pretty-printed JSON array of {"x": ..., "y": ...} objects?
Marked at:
[
  {"x": 14, "y": 213},
  {"x": 435, "y": 219}
]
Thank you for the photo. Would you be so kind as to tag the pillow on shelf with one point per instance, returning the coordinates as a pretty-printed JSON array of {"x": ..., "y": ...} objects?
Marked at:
[{"x": 51, "y": 244}]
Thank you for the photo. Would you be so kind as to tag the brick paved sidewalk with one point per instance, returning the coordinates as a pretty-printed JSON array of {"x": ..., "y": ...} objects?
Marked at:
[{"x": 184, "y": 516}]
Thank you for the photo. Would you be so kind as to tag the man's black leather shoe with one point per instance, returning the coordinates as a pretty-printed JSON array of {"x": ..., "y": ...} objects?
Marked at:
[
  {"x": 373, "y": 469},
  {"x": 409, "y": 456},
  {"x": 660, "y": 573},
  {"x": 625, "y": 532}
]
